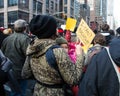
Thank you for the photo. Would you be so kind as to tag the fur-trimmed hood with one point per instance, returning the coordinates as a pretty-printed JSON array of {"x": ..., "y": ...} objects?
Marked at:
[{"x": 39, "y": 46}]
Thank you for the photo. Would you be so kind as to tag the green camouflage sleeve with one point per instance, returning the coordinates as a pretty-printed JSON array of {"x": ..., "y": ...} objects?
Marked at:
[
  {"x": 26, "y": 70},
  {"x": 70, "y": 72}
]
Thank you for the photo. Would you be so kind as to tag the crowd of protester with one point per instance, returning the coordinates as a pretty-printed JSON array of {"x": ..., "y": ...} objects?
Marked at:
[{"x": 50, "y": 62}]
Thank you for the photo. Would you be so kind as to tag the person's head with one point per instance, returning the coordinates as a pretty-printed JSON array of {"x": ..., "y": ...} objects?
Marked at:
[
  {"x": 105, "y": 27},
  {"x": 20, "y": 25},
  {"x": 2, "y": 29},
  {"x": 7, "y": 31},
  {"x": 43, "y": 26},
  {"x": 95, "y": 31},
  {"x": 68, "y": 35},
  {"x": 112, "y": 32},
  {"x": 60, "y": 31},
  {"x": 99, "y": 39},
  {"x": 118, "y": 30},
  {"x": 63, "y": 43}
]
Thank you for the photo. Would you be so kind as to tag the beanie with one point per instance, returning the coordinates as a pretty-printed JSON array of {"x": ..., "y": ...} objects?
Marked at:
[
  {"x": 43, "y": 26},
  {"x": 61, "y": 40}
]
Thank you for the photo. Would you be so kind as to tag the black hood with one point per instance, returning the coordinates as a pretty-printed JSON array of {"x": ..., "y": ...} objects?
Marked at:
[{"x": 115, "y": 50}]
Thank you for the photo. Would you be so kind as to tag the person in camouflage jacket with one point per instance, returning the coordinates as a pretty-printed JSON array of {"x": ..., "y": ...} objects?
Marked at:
[{"x": 37, "y": 65}]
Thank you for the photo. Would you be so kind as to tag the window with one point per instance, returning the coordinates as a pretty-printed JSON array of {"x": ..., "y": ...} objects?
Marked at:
[
  {"x": 65, "y": 1},
  {"x": 65, "y": 9},
  {"x": 47, "y": 3},
  {"x": 1, "y": 19},
  {"x": 24, "y": 4},
  {"x": 12, "y": 2},
  {"x": 39, "y": 7},
  {"x": 52, "y": 5},
  {"x": 47, "y": 12},
  {"x": 1, "y": 3},
  {"x": 72, "y": 2},
  {"x": 56, "y": 7},
  {"x": 23, "y": 15},
  {"x": 34, "y": 6},
  {"x": 71, "y": 11},
  {"x": 12, "y": 16}
]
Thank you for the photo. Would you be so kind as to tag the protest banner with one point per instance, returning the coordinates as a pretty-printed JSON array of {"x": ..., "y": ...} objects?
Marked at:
[
  {"x": 85, "y": 34},
  {"x": 70, "y": 24}
]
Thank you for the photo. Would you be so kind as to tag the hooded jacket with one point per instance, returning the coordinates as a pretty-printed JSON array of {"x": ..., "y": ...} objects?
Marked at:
[
  {"x": 100, "y": 78},
  {"x": 43, "y": 72}
]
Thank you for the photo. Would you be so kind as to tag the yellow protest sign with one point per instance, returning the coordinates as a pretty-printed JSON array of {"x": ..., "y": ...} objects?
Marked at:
[
  {"x": 70, "y": 24},
  {"x": 85, "y": 34},
  {"x": 85, "y": 48}
]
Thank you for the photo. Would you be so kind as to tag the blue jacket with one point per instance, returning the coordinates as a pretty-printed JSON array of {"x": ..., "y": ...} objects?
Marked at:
[{"x": 100, "y": 78}]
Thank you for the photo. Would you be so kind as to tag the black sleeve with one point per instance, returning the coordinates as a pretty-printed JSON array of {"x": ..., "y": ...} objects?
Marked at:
[{"x": 88, "y": 84}]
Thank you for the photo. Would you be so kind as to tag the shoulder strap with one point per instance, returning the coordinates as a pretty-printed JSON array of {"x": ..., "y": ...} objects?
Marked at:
[
  {"x": 114, "y": 65},
  {"x": 51, "y": 57},
  {"x": 52, "y": 60}
]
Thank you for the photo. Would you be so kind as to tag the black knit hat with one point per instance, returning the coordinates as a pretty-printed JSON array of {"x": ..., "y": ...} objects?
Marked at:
[{"x": 43, "y": 26}]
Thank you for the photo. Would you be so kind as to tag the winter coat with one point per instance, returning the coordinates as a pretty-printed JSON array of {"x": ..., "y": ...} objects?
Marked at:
[
  {"x": 2, "y": 37},
  {"x": 14, "y": 47},
  {"x": 100, "y": 78},
  {"x": 43, "y": 72},
  {"x": 91, "y": 52}
]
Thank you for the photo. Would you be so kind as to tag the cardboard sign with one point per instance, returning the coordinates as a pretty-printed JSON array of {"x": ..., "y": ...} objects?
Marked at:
[
  {"x": 85, "y": 34},
  {"x": 70, "y": 24}
]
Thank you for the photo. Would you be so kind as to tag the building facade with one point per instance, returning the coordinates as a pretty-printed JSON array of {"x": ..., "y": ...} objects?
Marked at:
[
  {"x": 68, "y": 7},
  {"x": 98, "y": 13},
  {"x": 11, "y": 10},
  {"x": 85, "y": 11},
  {"x": 77, "y": 11},
  {"x": 110, "y": 16}
]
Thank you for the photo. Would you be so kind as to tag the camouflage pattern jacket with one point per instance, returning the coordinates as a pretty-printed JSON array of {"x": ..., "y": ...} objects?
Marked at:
[{"x": 43, "y": 72}]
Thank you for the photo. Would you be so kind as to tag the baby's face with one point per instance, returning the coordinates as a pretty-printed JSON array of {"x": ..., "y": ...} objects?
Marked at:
[{"x": 65, "y": 47}]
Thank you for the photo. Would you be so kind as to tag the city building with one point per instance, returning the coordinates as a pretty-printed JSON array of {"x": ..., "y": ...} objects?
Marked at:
[
  {"x": 68, "y": 8},
  {"x": 77, "y": 11},
  {"x": 110, "y": 16},
  {"x": 85, "y": 11},
  {"x": 11, "y": 10},
  {"x": 98, "y": 13},
  {"x": 101, "y": 9}
]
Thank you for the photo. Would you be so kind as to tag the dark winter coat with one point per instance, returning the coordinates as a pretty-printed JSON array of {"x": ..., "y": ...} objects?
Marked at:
[
  {"x": 14, "y": 47},
  {"x": 100, "y": 78}
]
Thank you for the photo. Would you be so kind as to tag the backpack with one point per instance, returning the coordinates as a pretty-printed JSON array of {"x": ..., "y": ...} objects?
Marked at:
[
  {"x": 52, "y": 62},
  {"x": 6, "y": 70},
  {"x": 5, "y": 66},
  {"x": 50, "y": 57}
]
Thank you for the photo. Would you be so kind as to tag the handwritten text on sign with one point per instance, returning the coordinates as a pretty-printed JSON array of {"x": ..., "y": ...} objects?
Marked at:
[{"x": 84, "y": 33}]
